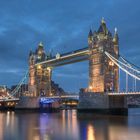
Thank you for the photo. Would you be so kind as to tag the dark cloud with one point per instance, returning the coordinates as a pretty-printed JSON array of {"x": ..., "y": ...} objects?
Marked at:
[{"x": 62, "y": 26}]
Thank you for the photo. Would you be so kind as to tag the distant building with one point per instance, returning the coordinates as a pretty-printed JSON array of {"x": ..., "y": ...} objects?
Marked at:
[
  {"x": 3, "y": 91},
  {"x": 56, "y": 90},
  {"x": 23, "y": 88}
]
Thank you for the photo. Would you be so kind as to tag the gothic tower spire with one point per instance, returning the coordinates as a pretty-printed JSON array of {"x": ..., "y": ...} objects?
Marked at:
[
  {"x": 90, "y": 38},
  {"x": 103, "y": 29},
  {"x": 115, "y": 38}
]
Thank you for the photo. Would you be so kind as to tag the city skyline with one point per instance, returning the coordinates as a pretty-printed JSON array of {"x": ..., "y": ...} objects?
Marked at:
[{"x": 62, "y": 28}]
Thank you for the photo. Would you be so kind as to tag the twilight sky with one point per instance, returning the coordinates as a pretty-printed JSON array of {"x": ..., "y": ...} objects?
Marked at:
[{"x": 62, "y": 26}]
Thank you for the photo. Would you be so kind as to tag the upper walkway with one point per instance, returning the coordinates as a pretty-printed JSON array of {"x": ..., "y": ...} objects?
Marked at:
[{"x": 67, "y": 58}]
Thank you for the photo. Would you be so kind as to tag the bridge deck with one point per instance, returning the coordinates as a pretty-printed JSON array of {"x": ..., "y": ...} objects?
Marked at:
[
  {"x": 125, "y": 93},
  {"x": 8, "y": 100},
  {"x": 64, "y": 59}
]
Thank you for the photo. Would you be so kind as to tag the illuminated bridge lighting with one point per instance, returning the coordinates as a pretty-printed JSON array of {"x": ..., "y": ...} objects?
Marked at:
[
  {"x": 47, "y": 101},
  {"x": 124, "y": 93},
  {"x": 67, "y": 56},
  {"x": 63, "y": 96},
  {"x": 6, "y": 99}
]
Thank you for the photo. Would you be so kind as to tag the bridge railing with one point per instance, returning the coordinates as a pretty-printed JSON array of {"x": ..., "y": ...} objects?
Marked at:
[
  {"x": 123, "y": 93},
  {"x": 13, "y": 99},
  {"x": 62, "y": 96}
]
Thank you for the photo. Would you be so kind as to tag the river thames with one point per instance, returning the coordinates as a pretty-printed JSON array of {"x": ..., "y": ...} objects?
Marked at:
[{"x": 68, "y": 125}]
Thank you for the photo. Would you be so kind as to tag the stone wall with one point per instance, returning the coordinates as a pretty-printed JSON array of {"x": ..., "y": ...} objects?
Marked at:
[
  {"x": 28, "y": 103},
  {"x": 133, "y": 100},
  {"x": 117, "y": 101},
  {"x": 91, "y": 100}
]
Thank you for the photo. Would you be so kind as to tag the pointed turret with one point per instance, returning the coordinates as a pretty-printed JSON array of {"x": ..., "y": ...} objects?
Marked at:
[
  {"x": 40, "y": 48},
  {"x": 103, "y": 29},
  {"x": 115, "y": 38},
  {"x": 40, "y": 52},
  {"x": 40, "y": 45},
  {"x": 31, "y": 58},
  {"x": 90, "y": 37},
  {"x": 90, "y": 33},
  {"x": 103, "y": 20},
  {"x": 116, "y": 42},
  {"x": 30, "y": 53}
]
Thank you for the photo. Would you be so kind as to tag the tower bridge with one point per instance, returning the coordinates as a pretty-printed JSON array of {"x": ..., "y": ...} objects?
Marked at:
[
  {"x": 105, "y": 63},
  {"x": 103, "y": 74}
]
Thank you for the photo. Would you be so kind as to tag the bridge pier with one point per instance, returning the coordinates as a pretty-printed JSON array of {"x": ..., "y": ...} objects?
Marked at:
[
  {"x": 133, "y": 100},
  {"x": 28, "y": 103},
  {"x": 102, "y": 103},
  {"x": 34, "y": 104},
  {"x": 50, "y": 107}
]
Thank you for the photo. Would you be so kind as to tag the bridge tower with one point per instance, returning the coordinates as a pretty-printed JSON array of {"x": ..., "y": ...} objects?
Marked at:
[
  {"x": 40, "y": 75},
  {"x": 103, "y": 74},
  {"x": 31, "y": 81}
]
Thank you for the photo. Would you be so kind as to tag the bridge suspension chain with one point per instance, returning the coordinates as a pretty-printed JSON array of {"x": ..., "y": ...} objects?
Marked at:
[
  {"x": 128, "y": 65},
  {"x": 131, "y": 71},
  {"x": 14, "y": 92},
  {"x": 137, "y": 69}
]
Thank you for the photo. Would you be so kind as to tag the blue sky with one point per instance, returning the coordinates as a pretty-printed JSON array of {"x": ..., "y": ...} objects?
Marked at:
[{"x": 62, "y": 26}]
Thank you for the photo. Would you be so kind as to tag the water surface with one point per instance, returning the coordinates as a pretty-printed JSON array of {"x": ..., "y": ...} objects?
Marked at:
[{"x": 68, "y": 125}]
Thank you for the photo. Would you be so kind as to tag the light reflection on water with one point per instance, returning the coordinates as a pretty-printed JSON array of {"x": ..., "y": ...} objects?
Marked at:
[
  {"x": 90, "y": 132},
  {"x": 68, "y": 125}
]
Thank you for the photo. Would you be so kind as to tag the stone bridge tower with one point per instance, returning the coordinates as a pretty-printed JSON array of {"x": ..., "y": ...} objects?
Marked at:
[
  {"x": 32, "y": 74},
  {"x": 103, "y": 74},
  {"x": 40, "y": 75}
]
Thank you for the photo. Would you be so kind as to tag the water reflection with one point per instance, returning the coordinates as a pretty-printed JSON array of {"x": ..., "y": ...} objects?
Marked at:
[
  {"x": 1, "y": 126},
  {"x": 67, "y": 125},
  {"x": 90, "y": 132}
]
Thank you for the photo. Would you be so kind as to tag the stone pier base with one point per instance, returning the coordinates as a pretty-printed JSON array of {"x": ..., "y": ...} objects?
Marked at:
[
  {"x": 33, "y": 104},
  {"x": 28, "y": 103},
  {"x": 102, "y": 103}
]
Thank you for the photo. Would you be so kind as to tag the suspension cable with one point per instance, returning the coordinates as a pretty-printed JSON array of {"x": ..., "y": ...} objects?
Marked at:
[
  {"x": 19, "y": 85},
  {"x": 128, "y": 62},
  {"x": 134, "y": 76},
  {"x": 123, "y": 63},
  {"x": 131, "y": 65}
]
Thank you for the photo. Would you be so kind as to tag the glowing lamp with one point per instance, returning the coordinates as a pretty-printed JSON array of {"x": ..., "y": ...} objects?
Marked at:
[{"x": 90, "y": 87}]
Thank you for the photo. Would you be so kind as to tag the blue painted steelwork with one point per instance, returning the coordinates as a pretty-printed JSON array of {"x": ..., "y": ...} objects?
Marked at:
[{"x": 47, "y": 101}]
